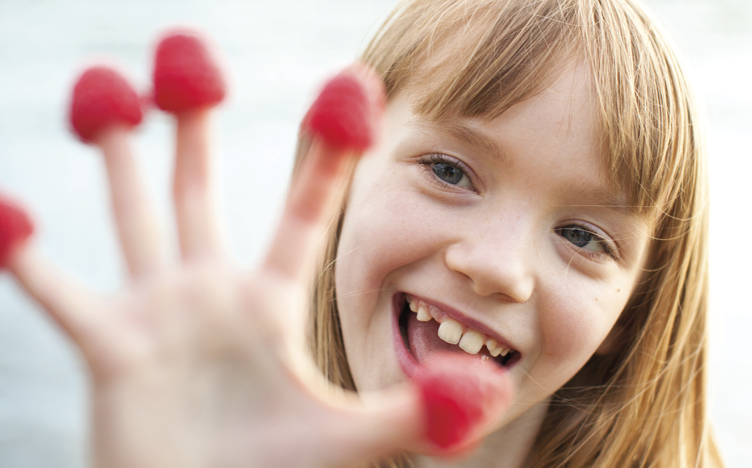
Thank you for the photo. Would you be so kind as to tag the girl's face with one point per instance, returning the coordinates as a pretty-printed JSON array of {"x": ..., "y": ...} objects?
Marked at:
[{"x": 508, "y": 227}]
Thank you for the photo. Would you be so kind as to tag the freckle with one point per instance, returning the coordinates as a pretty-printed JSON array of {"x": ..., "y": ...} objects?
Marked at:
[
  {"x": 618, "y": 290},
  {"x": 596, "y": 299}
]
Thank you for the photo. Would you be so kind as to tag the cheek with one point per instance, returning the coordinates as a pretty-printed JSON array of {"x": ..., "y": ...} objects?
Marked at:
[
  {"x": 386, "y": 229},
  {"x": 373, "y": 242},
  {"x": 575, "y": 323}
]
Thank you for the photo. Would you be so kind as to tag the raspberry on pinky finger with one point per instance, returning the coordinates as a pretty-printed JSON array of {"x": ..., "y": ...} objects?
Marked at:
[{"x": 15, "y": 228}]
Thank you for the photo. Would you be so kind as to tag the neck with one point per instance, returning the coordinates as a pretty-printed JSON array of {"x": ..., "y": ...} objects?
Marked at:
[{"x": 508, "y": 447}]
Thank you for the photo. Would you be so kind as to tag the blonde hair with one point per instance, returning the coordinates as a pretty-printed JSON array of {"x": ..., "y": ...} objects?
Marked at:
[{"x": 644, "y": 404}]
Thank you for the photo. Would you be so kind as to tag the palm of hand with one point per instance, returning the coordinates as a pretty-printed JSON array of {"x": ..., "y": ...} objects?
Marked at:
[{"x": 202, "y": 354}]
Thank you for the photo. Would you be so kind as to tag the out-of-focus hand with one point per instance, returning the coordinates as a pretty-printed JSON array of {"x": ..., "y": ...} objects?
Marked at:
[{"x": 197, "y": 363}]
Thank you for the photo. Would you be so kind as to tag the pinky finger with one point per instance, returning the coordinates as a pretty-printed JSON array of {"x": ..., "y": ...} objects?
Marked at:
[
  {"x": 70, "y": 304},
  {"x": 73, "y": 306}
]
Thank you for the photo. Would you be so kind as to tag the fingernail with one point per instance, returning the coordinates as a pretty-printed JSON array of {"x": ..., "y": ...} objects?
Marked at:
[
  {"x": 15, "y": 228},
  {"x": 102, "y": 97},
  {"x": 187, "y": 74}
]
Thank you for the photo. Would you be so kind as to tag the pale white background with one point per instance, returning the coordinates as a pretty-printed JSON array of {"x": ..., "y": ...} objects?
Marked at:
[{"x": 278, "y": 52}]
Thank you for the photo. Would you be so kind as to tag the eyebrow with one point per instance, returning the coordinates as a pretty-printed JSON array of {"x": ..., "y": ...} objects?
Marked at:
[
  {"x": 465, "y": 134},
  {"x": 597, "y": 197}
]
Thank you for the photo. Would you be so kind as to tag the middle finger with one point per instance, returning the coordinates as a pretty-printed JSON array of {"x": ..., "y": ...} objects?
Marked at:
[
  {"x": 188, "y": 82},
  {"x": 193, "y": 191}
]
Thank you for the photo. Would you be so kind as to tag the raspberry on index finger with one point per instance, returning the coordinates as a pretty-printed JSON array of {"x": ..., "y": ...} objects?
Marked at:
[{"x": 348, "y": 109}]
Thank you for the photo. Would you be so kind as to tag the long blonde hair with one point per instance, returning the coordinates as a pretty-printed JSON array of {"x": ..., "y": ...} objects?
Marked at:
[{"x": 644, "y": 404}]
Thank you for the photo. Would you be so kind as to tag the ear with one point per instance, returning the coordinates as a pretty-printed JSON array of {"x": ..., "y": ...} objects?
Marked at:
[{"x": 612, "y": 340}]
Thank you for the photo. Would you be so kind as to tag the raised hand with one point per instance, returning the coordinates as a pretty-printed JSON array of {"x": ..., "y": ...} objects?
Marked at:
[{"x": 196, "y": 363}]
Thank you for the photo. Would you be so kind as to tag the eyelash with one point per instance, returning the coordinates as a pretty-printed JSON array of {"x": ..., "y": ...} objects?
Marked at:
[
  {"x": 608, "y": 250},
  {"x": 429, "y": 160}
]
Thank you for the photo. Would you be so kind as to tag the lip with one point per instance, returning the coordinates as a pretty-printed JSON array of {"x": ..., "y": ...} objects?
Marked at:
[{"x": 405, "y": 359}]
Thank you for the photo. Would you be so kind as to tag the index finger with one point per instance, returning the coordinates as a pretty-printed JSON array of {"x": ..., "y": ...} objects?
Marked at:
[{"x": 342, "y": 123}]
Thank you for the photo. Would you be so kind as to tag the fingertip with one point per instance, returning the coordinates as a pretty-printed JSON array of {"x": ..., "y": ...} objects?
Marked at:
[
  {"x": 103, "y": 97},
  {"x": 16, "y": 228}
]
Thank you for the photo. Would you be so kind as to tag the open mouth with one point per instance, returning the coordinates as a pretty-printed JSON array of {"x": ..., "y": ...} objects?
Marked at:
[{"x": 426, "y": 329}]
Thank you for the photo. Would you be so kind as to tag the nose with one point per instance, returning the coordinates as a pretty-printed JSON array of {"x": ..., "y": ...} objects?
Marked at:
[{"x": 497, "y": 260}]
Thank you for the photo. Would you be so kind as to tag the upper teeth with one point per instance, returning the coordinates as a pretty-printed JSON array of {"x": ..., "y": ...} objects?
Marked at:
[{"x": 452, "y": 332}]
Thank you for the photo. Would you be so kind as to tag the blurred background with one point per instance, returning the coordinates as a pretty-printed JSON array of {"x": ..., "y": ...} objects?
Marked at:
[{"x": 278, "y": 53}]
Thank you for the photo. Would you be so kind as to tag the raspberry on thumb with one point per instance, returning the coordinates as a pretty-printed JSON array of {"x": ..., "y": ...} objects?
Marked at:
[{"x": 462, "y": 397}]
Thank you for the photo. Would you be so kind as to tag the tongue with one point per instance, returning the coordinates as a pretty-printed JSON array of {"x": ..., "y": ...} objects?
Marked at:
[{"x": 424, "y": 341}]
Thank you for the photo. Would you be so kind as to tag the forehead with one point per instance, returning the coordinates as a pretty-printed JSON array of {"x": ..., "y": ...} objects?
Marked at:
[{"x": 562, "y": 117}]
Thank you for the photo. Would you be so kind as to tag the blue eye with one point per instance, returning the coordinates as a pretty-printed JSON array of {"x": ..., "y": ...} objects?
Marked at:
[
  {"x": 449, "y": 174},
  {"x": 584, "y": 239},
  {"x": 447, "y": 170}
]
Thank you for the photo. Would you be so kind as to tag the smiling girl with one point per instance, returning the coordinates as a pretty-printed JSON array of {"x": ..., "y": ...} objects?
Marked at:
[
  {"x": 539, "y": 200},
  {"x": 535, "y": 201}
]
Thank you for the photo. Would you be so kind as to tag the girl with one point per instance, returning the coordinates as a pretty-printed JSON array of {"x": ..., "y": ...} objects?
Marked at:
[{"x": 536, "y": 199}]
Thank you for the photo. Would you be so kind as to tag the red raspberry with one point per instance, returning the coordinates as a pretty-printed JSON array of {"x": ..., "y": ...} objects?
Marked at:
[
  {"x": 102, "y": 97},
  {"x": 186, "y": 74},
  {"x": 460, "y": 394},
  {"x": 15, "y": 228},
  {"x": 347, "y": 111}
]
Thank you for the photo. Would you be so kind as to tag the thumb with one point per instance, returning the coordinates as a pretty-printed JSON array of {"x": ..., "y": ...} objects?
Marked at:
[
  {"x": 444, "y": 410},
  {"x": 379, "y": 424}
]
